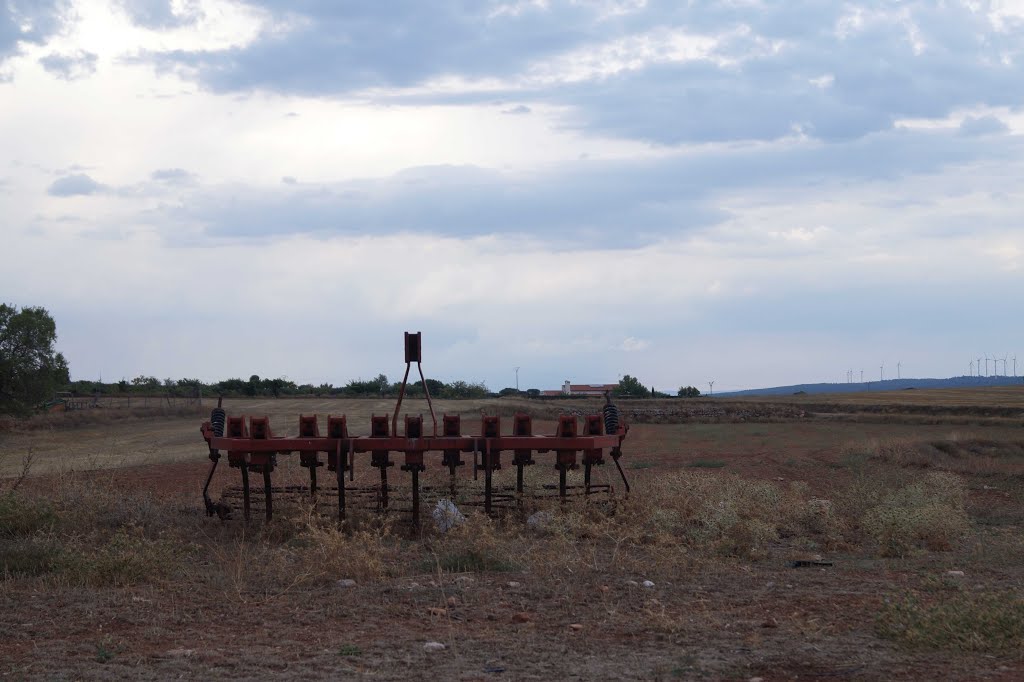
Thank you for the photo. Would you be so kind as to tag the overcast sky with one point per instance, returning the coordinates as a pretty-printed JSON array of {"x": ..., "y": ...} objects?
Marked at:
[{"x": 751, "y": 192}]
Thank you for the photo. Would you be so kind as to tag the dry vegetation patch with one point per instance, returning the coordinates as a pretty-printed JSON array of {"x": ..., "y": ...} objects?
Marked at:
[{"x": 688, "y": 577}]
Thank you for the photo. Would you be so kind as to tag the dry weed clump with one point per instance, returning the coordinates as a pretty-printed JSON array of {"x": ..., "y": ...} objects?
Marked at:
[{"x": 928, "y": 513}]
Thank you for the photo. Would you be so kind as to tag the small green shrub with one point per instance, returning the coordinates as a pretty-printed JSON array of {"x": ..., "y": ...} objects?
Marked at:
[
  {"x": 27, "y": 557},
  {"x": 472, "y": 562},
  {"x": 126, "y": 559},
  {"x": 707, "y": 463},
  {"x": 967, "y": 622},
  {"x": 22, "y": 516}
]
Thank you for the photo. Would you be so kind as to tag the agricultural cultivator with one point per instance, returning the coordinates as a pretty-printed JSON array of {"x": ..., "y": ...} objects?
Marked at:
[{"x": 252, "y": 448}]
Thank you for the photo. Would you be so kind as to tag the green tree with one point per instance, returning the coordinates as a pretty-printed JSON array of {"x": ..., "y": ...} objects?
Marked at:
[
  {"x": 688, "y": 392},
  {"x": 630, "y": 387},
  {"x": 30, "y": 369},
  {"x": 463, "y": 389}
]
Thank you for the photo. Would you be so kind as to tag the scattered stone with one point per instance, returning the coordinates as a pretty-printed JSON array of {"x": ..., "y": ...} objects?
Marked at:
[
  {"x": 434, "y": 646},
  {"x": 576, "y": 626},
  {"x": 513, "y": 584},
  {"x": 181, "y": 653},
  {"x": 539, "y": 519},
  {"x": 452, "y": 601},
  {"x": 756, "y": 679},
  {"x": 632, "y": 583},
  {"x": 465, "y": 579},
  {"x": 955, "y": 574},
  {"x": 447, "y": 515},
  {"x": 648, "y": 584},
  {"x": 437, "y": 611},
  {"x": 345, "y": 583},
  {"x": 605, "y": 588},
  {"x": 770, "y": 623},
  {"x": 521, "y": 617}
]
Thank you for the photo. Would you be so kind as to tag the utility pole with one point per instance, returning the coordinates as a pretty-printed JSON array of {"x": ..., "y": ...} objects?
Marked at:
[{"x": 517, "y": 378}]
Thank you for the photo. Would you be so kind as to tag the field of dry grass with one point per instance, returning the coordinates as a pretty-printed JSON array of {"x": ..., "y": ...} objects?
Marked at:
[
  {"x": 988, "y": 397},
  {"x": 706, "y": 571}
]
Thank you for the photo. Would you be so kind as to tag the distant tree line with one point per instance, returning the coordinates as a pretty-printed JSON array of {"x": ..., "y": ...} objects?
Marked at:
[
  {"x": 32, "y": 373},
  {"x": 255, "y": 386},
  {"x": 377, "y": 387}
]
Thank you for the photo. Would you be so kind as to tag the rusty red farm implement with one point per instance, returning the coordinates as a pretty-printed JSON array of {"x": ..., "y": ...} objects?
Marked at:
[{"x": 252, "y": 448}]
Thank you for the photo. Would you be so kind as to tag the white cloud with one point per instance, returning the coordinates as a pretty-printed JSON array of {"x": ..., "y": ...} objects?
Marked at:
[{"x": 632, "y": 344}]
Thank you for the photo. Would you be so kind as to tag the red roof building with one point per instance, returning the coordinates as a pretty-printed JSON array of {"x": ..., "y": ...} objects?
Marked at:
[{"x": 581, "y": 389}]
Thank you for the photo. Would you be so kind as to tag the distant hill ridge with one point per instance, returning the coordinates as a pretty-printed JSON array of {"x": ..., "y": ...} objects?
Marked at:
[{"x": 874, "y": 386}]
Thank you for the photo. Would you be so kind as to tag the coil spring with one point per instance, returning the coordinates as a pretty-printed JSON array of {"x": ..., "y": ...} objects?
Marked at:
[
  {"x": 217, "y": 420},
  {"x": 611, "y": 419}
]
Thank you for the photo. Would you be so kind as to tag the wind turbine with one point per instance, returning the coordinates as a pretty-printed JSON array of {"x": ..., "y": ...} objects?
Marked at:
[
  {"x": 972, "y": 368},
  {"x": 881, "y": 372},
  {"x": 1004, "y": 363},
  {"x": 898, "y": 364},
  {"x": 986, "y": 364},
  {"x": 517, "y": 378},
  {"x": 711, "y": 387}
]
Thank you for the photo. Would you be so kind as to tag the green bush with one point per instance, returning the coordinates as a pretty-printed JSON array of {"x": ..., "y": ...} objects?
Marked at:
[{"x": 967, "y": 622}]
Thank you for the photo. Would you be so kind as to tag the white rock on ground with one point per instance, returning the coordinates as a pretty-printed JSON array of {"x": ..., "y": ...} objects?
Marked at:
[
  {"x": 447, "y": 515},
  {"x": 648, "y": 584},
  {"x": 434, "y": 646},
  {"x": 346, "y": 583},
  {"x": 539, "y": 519}
]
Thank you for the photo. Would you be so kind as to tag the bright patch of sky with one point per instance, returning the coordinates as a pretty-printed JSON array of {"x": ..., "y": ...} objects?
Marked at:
[{"x": 751, "y": 193}]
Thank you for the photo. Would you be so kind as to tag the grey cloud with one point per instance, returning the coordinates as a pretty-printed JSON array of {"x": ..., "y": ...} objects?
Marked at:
[
  {"x": 338, "y": 47},
  {"x": 28, "y": 21},
  {"x": 602, "y": 203},
  {"x": 78, "y": 184},
  {"x": 982, "y": 125},
  {"x": 519, "y": 110},
  {"x": 173, "y": 176},
  {"x": 70, "y": 66},
  {"x": 160, "y": 14},
  {"x": 762, "y": 94}
]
